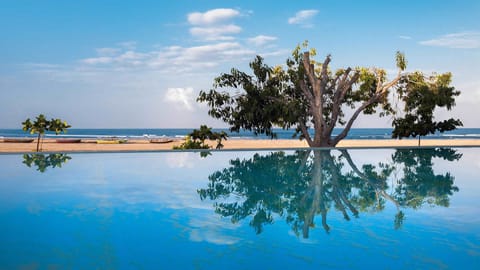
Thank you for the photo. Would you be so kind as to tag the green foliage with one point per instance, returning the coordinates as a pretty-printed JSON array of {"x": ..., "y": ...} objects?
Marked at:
[
  {"x": 306, "y": 94},
  {"x": 260, "y": 107},
  {"x": 418, "y": 176},
  {"x": 41, "y": 125},
  {"x": 421, "y": 96},
  {"x": 297, "y": 187},
  {"x": 42, "y": 162},
  {"x": 401, "y": 61},
  {"x": 196, "y": 139}
]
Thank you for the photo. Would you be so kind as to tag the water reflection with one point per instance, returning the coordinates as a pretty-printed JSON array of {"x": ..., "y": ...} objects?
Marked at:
[
  {"x": 42, "y": 161},
  {"x": 306, "y": 184}
]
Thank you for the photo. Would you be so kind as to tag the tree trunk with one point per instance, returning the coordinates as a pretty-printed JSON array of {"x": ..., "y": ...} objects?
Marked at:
[
  {"x": 38, "y": 142},
  {"x": 313, "y": 198},
  {"x": 334, "y": 89},
  {"x": 419, "y": 140},
  {"x": 322, "y": 141}
]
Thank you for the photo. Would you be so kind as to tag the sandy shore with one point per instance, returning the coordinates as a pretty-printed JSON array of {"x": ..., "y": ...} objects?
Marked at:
[{"x": 50, "y": 145}]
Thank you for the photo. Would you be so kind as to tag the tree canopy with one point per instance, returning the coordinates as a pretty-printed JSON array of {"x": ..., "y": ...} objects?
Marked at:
[
  {"x": 196, "y": 139},
  {"x": 43, "y": 162},
  {"x": 421, "y": 96},
  {"x": 305, "y": 95},
  {"x": 41, "y": 125}
]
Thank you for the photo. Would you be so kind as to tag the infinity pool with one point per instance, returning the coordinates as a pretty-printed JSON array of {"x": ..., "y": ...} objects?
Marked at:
[{"x": 338, "y": 209}]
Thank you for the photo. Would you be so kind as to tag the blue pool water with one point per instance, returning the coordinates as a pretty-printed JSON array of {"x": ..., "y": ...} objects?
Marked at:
[{"x": 364, "y": 208}]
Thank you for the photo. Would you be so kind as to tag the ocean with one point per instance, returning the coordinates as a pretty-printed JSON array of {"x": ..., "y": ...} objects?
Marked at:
[{"x": 139, "y": 133}]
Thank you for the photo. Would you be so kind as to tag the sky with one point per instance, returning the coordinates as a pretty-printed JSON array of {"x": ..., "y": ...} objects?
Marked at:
[{"x": 141, "y": 64}]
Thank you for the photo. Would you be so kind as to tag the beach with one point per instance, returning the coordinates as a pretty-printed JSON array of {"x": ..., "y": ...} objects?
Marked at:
[{"x": 50, "y": 145}]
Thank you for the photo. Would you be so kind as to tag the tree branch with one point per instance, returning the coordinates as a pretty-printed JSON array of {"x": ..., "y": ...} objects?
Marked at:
[
  {"x": 324, "y": 74},
  {"x": 309, "y": 68},
  {"x": 339, "y": 96},
  {"x": 387, "y": 86},
  {"x": 304, "y": 158},
  {"x": 305, "y": 133},
  {"x": 347, "y": 128},
  {"x": 306, "y": 91},
  {"x": 363, "y": 176},
  {"x": 344, "y": 78},
  {"x": 341, "y": 194},
  {"x": 317, "y": 102},
  {"x": 378, "y": 94},
  {"x": 390, "y": 84}
]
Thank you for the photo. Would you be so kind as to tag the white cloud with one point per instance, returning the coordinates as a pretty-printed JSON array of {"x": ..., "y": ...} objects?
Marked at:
[
  {"x": 207, "y": 51},
  {"x": 42, "y": 66},
  {"x": 405, "y": 37},
  {"x": 129, "y": 45},
  {"x": 213, "y": 235},
  {"x": 180, "y": 160},
  {"x": 461, "y": 40},
  {"x": 280, "y": 52},
  {"x": 173, "y": 59},
  {"x": 128, "y": 58},
  {"x": 213, "y": 16},
  {"x": 107, "y": 51},
  {"x": 181, "y": 96},
  {"x": 132, "y": 57},
  {"x": 303, "y": 17},
  {"x": 98, "y": 60},
  {"x": 205, "y": 56},
  {"x": 215, "y": 33},
  {"x": 212, "y": 229},
  {"x": 214, "y": 24},
  {"x": 261, "y": 40}
]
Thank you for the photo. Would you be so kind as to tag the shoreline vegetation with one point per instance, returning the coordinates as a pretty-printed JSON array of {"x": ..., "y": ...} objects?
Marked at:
[{"x": 90, "y": 145}]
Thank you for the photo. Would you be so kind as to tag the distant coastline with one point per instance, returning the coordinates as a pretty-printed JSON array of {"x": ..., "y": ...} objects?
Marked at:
[{"x": 180, "y": 133}]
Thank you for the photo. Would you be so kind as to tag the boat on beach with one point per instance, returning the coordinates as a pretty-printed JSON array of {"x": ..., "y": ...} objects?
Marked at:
[
  {"x": 111, "y": 141},
  {"x": 161, "y": 140},
  {"x": 18, "y": 140},
  {"x": 68, "y": 140}
]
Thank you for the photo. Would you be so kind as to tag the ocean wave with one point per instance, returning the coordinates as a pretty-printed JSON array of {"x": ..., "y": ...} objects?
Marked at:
[
  {"x": 453, "y": 135},
  {"x": 84, "y": 136},
  {"x": 242, "y": 138},
  {"x": 374, "y": 136},
  {"x": 149, "y": 136},
  {"x": 461, "y": 135}
]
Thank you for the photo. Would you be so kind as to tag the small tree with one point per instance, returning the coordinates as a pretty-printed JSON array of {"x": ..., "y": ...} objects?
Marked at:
[
  {"x": 421, "y": 96},
  {"x": 196, "y": 139},
  {"x": 41, "y": 125}
]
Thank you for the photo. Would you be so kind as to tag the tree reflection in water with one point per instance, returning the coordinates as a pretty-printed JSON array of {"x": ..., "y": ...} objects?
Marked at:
[
  {"x": 44, "y": 161},
  {"x": 308, "y": 183}
]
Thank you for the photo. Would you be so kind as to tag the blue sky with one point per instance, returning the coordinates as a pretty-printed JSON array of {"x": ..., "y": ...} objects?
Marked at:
[{"x": 120, "y": 64}]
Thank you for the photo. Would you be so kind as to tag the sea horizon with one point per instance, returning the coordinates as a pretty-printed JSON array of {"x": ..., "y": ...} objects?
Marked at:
[{"x": 148, "y": 133}]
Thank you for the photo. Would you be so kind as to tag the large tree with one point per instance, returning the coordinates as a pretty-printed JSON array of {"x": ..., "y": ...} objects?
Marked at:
[{"x": 306, "y": 94}]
